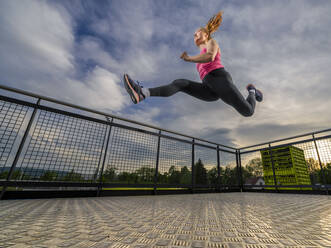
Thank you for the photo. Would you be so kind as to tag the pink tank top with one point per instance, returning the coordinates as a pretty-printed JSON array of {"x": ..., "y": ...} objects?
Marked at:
[{"x": 205, "y": 68}]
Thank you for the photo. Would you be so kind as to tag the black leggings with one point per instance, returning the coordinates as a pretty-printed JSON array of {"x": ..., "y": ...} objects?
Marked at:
[{"x": 217, "y": 84}]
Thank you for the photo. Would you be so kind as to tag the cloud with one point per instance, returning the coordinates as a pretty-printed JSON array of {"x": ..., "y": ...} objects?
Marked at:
[
  {"x": 36, "y": 41},
  {"x": 39, "y": 46},
  {"x": 100, "y": 90},
  {"x": 78, "y": 51}
]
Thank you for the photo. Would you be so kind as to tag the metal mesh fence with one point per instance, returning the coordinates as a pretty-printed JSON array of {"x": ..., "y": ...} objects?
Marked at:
[
  {"x": 324, "y": 149},
  {"x": 62, "y": 148},
  {"x": 175, "y": 163},
  {"x": 12, "y": 117},
  {"x": 297, "y": 167},
  {"x": 131, "y": 157},
  {"x": 312, "y": 161},
  {"x": 228, "y": 167},
  {"x": 252, "y": 169},
  {"x": 205, "y": 165}
]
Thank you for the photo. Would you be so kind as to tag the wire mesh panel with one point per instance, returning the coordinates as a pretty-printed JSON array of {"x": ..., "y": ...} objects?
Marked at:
[
  {"x": 252, "y": 169},
  {"x": 228, "y": 166},
  {"x": 175, "y": 162},
  {"x": 11, "y": 119},
  {"x": 62, "y": 148},
  {"x": 312, "y": 162},
  {"x": 324, "y": 149},
  {"x": 205, "y": 165},
  {"x": 131, "y": 157}
]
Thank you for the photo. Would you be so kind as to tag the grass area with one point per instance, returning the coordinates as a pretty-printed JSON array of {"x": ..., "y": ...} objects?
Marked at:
[
  {"x": 11, "y": 189},
  {"x": 142, "y": 188}
]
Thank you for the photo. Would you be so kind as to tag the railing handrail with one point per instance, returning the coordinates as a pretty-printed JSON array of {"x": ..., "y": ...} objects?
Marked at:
[
  {"x": 49, "y": 99},
  {"x": 289, "y": 138}
]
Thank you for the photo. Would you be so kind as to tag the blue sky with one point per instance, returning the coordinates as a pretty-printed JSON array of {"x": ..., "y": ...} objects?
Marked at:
[{"x": 77, "y": 51}]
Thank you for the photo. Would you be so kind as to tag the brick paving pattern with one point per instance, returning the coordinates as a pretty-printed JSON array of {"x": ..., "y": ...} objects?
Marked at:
[{"x": 252, "y": 220}]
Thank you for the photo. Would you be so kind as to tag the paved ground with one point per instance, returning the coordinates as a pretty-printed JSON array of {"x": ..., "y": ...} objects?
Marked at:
[{"x": 200, "y": 220}]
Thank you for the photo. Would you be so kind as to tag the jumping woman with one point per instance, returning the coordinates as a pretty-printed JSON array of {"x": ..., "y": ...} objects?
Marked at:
[{"x": 216, "y": 81}]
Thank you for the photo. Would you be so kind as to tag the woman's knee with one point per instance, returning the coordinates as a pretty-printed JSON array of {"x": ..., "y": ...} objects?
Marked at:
[{"x": 247, "y": 113}]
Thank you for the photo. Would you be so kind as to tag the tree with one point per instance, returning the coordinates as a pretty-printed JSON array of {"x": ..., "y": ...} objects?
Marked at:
[
  {"x": 229, "y": 176},
  {"x": 174, "y": 175},
  {"x": 146, "y": 174},
  {"x": 73, "y": 176},
  {"x": 128, "y": 177},
  {"x": 162, "y": 178},
  {"x": 200, "y": 173},
  {"x": 109, "y": 175},
  {"x": 327, "y": 174},
  {"x": 254, "y": 167},
  {"x": 4, "y": 175},
  {"x": 16, "y": 175},
  {"x": 248, "y": 174},
  {"x": 185, "y": 176},
  {"x": 49, "y": 176},
  {"x": 314, "y": 168},
  {"x": 212, "y": 176},
  {"x": 313, "y": 165}
]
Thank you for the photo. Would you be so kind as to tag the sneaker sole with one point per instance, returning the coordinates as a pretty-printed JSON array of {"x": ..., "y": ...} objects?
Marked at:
[{"x": 134, "y": 96}]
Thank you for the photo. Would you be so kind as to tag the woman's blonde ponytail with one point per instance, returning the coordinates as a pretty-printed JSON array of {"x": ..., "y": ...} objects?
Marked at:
[{"x": 213, "y": 24}]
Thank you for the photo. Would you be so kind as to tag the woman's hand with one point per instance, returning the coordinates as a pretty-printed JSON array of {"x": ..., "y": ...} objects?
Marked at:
[{"x": 184, "y": 56}]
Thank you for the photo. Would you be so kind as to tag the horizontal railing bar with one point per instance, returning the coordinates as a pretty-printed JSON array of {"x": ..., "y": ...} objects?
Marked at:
[
  {"x": 49, "y": 99},
  {"x": 104, "y": 185},
  {"x": 287, "y": 144},
  {"x": 211, "y": 147},
  {"x": 17, "y": 101},
  {"x": 47, "y": 184},
  {"x": 288, "y": 186},
  {"x": 293, "y": 137},
  {"x": 50, "y": 109}
]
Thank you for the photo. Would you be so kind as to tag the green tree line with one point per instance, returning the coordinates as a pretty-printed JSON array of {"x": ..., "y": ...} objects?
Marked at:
[{"x": 228, "y": 175}]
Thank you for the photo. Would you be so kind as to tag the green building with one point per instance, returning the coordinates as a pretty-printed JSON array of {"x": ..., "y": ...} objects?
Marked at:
[{"x": 290, "y": 167}]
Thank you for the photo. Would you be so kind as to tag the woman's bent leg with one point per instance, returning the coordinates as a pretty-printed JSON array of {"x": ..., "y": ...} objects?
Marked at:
[
  {"x": 221, "y": 83},
  {"x": 195, "y": 89}
]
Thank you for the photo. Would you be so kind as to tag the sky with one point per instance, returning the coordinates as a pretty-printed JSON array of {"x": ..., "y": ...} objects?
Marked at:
[{"x": 78, "y": 51}]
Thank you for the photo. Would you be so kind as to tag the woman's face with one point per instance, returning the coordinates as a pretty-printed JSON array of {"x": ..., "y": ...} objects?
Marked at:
[{"x": 199, "y": 37}]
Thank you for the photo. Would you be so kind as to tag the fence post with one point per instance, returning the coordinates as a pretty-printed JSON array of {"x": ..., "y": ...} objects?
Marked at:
[
  {"x": 218, "y": 170},
  {"x": 193, "y": 170},
  {"x": 320, "y": 162},
  {"x": 20, "y": 148},
  {"x": 273, "y": 168},
  {"x": 157, "y": 162},
  {"x": 238, "y": 170},
  {"x": 241, "y": 183},
  {"x": 103, "y": 145},
  {"x": 104, "y": 157}
]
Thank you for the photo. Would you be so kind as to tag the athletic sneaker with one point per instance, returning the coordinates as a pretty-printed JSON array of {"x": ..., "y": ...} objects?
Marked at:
[
  {"x": 134, "y": 89},
  {"x": 258, "y": 93}
]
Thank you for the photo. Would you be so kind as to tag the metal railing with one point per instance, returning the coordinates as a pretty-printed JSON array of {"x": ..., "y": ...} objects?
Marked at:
[
  {"x": 315, "y": 167},
  {"x": 47, "y": 147},
  {"x": 47, "y": 144}
]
